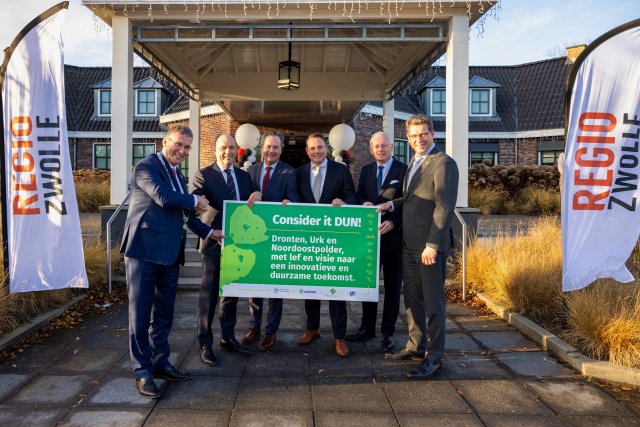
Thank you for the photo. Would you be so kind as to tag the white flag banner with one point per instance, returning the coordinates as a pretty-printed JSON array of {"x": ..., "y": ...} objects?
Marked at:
[
  {"x": 600, "y": 218},
  {"x": 43, "y": 226}
]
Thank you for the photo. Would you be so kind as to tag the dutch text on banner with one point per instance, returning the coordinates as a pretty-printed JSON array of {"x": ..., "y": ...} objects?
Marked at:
[
  {"x": 44, "y": 238},
  {"x": 300, "y": 251},
  {"x": 600, "y": 218}
]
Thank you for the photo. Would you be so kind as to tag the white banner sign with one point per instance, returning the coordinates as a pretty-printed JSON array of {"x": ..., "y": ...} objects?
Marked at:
[
  {"x": 44, "y": 238},
  {"x": 600, "y": 218}
]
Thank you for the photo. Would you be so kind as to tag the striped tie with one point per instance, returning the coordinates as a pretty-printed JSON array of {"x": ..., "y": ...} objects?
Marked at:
[{"x": 231, "y": 185}]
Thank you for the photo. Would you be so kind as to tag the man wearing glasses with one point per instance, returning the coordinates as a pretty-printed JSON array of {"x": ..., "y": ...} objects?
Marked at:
[{"x": 428, "y": 202}]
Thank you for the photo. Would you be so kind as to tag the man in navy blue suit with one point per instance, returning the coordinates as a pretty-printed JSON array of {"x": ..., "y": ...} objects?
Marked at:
[
  {"x": 153, "y": 245},
  {"x": 276, "y": 181},
  {"x": 219, "y": 182},
  {"x": 325, "y": 181},
  {"x": 381, "y": 181}
]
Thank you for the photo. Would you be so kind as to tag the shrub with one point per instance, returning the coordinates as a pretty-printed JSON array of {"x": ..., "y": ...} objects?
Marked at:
[
  {"x": 533, "y": 201},
  {"x": 490, "y": 202},
  {"x": 92, "y": 195}
]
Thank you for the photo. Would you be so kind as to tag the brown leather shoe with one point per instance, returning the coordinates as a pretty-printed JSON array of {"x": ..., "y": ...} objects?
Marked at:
[
  {"x": 250, "y": 336},
  {"x": 342, "y": 349},
  {"x": 268, "y": 340},
  {"x": 308, "y": 336}
]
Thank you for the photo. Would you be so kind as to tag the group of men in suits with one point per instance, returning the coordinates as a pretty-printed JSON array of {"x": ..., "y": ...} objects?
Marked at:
[{"x": 415, "y": 228}]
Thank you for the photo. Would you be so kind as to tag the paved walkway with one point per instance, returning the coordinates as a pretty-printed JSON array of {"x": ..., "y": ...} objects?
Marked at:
[{"x": 492, "y": 376}]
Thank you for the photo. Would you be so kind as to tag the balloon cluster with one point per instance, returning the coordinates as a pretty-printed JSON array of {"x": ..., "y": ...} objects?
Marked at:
[
  {"x": 341, "y": 138},
  {"x": 247, "y": 137}
]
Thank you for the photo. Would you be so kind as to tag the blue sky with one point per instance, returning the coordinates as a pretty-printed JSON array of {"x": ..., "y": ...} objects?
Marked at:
[{"x": 523, "y": 31}]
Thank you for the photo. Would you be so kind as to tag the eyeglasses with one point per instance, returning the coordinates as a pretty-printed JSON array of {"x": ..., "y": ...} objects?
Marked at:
[
  {"x": 420, "y": 135},
  {"x": 186, "y": 147}
]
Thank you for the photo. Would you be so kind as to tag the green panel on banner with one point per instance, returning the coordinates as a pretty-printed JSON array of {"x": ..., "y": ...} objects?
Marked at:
[{"x": 300, "y": 251}]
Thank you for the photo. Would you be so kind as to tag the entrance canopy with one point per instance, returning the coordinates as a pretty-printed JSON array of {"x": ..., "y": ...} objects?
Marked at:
[{"x": 229, "y": 51}]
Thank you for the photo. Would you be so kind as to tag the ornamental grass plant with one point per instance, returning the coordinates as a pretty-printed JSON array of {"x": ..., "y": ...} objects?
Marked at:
[{"x": 524, "y": 273}]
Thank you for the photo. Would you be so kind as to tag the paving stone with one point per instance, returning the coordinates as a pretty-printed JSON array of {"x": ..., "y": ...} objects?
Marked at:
[
  {"x": 500, "y": 397},
  {"x": 120, "y": 392},
  {"x": 174, "y": 359},
  {"x": 83, "y": 359},
  {"x": 37, "y": 357},
  {"x": 9, "y": 383},
  {"x": 103, "y": 338},
  {"x": 437, "y": 420},
  {"x": 505, "y": 341},
  {"x": 28, "y": 417},
  {"x": 517, "y": 420},
  {"x": 263, "y": 364},
  {"x": 229, "y": 364},
  {"x": 482, "y": 323},
  {"x": 576, "y": 398},
  {"x": 52, "y": 390},
  {"x": 603, "y": 421},
  {"x": 187, "y": 417},
  {"x": 424, "y": 396},
  {"x": 387, "y": 367},
  {"x": 535, "y": 364},
  {"x": 325, "y": 362},
  {"x": 208, "y": 393},
  {"x": 286, "y": 341},
  {"x": 184, "y": 321},
  {"x": 270, "y": 393},
  {"x": 348, "y": 395},
  {"x": 473, "y": 366},
  {"x": 261, "y": 418},
  {"x": 105, "y": 418},
  {"x": 451, "y": 326},
  {"x": 460, "y": 310},
  {"x": 354, "y": 419},
  {"x": 460, "y": 342}
]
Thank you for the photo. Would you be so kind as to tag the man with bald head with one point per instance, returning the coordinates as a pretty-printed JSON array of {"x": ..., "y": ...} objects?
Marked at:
[
  {"x": 381, "y": 181},
  {"x": 219, "y": 182}
]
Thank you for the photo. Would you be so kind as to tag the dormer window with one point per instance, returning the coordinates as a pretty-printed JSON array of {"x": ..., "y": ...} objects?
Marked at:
[
  {"x": 104, "y": 102},
  {"x": 438, "y": 102},
  {"x": 482, "y": 97},
  {"x": 435, "y": 97},
  {"x": 146, "y": 102}
]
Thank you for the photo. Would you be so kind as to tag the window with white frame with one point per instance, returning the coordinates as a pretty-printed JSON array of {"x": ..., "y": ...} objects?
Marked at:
[
  {"x": 550, "y": 157},
  {"x": 140, "y": 151},
  {"x": 438, "y": 102},
  {"x": 146, "y": 102},
  {"x": 104, "y": 102},
  {"x": 480, "y": 102},
  {"x": 101, "y": 156},
  {"x": 481, "y": 156},
  {"x": 400, "y": 150}
]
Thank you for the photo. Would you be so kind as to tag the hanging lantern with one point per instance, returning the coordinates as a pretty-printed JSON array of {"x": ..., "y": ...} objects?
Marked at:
[{"x": 289, "y": 74}]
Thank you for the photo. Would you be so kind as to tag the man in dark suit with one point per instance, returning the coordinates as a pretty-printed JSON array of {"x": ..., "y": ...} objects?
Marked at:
[
  {"x": 325, "y": 181},
  {"x": 428, "y": 203},
  {"x": 153, "y": 246},
  {"x": 381, "y": 181},
  {"x": 276, "y": 181},
  {"x": 219, "y": 182}
]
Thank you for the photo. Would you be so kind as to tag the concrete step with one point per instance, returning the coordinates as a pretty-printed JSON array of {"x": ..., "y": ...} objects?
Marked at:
[
  {"x": 191, "y": 269},
  {"x": 184, "y": 283},
  {"x": 191, "y": 255}
]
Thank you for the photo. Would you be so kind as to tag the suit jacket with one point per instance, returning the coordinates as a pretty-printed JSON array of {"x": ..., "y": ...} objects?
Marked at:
[
  {"x": 212, "y": 183},
  {"x": 282, "y": 182},
  {"x": 338, "y": 183},
  {"x": 154, "y": 229},
  {"x": 428, "y": 203},
  {"x": 391, "y": 189}
]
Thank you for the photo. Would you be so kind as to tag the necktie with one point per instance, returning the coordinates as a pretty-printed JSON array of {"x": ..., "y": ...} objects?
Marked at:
[
  {"x": 379, "y": 178},
  {"x": 317, "y": 184},
  {"x": 231, "y": 185},
  {"x": 176, "y": 180},
  {"x": 265, "y": 179},
  {"x": 414, "y": 169}
]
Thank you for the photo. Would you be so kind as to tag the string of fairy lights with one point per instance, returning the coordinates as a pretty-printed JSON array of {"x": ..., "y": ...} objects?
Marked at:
[{"x": 389, "y": 9}]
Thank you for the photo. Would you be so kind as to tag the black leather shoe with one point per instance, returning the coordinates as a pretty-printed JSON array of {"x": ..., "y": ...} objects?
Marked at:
[
  {"x": 171, "y": 373},
  {"x": 388, "y": 343},
  {"x": 207, "y": 356},
  {"x": 147, "y": 387},
  {"x": 233, "y": 345},
  {"x": 404, "y": 354},
  {"x": 424, "y": 371},
  {"x": 361, "y": 335}
]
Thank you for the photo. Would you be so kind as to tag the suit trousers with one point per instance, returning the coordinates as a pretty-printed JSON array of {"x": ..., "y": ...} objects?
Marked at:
[
  {"x": 425, "y": 302},
  {"x": 337, "y": 312},
  {"x": 208, "y": 297},
  {"x": 273, "y": 317},
  {"x": 152, "y": 295},
  {"x": 392, "y": 269}
]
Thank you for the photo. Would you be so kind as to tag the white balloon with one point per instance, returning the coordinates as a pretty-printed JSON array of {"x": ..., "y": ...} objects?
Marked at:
[
  {"x": 247, "y": 136},
  {"x": 338, "y": 159},
  {"x": 252, "y": 157},
  {"x": 247, "y": 164},
  {"x": 342, "y": 137}
]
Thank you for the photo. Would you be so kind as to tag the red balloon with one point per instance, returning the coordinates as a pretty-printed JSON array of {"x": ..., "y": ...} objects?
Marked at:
[{"x": 240, "y": 151}]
